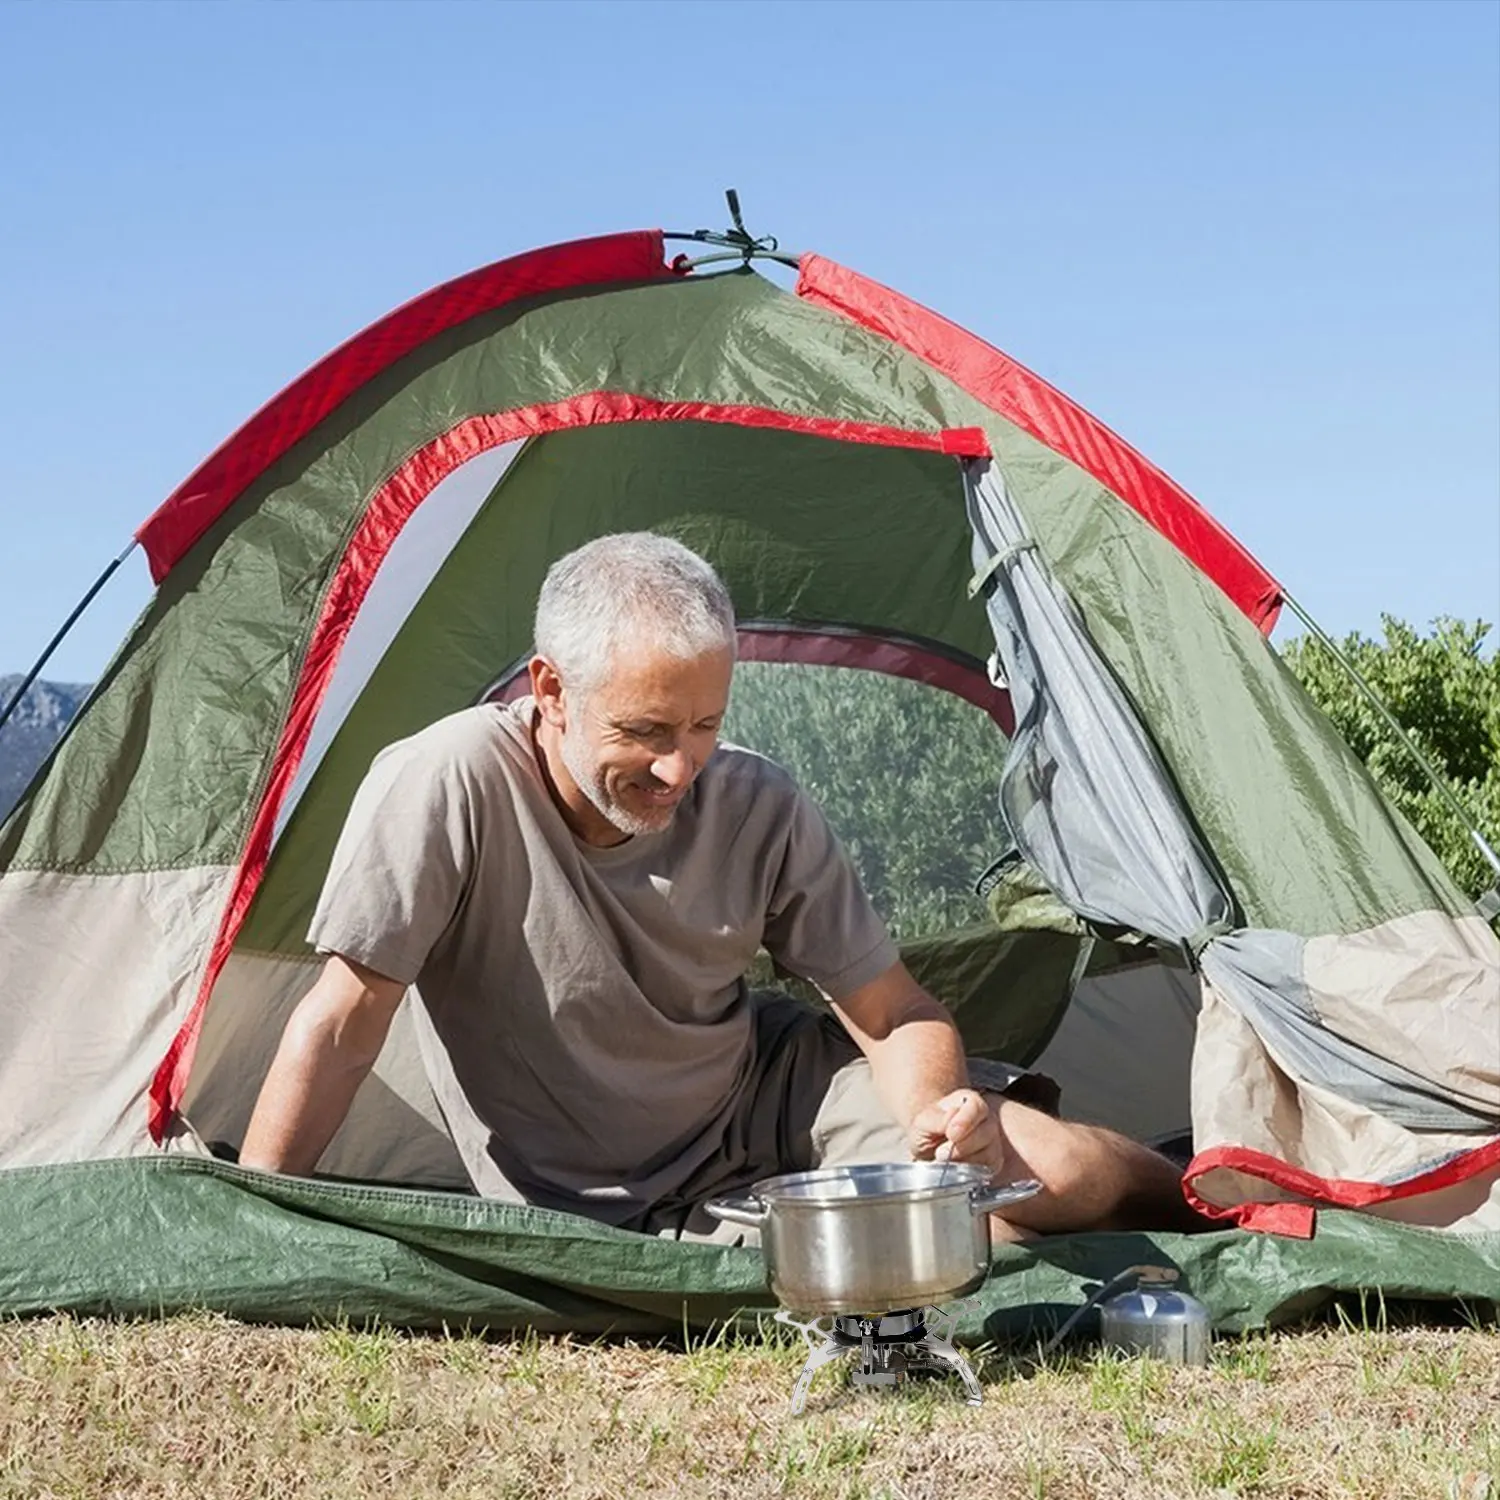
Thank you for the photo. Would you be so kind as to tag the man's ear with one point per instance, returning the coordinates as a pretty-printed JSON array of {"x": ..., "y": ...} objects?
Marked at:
[{"x": 547, "y": 689}]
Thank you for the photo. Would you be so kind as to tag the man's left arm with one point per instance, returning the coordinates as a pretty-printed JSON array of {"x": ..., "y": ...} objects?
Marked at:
[{"x": 917, "y": 1062}]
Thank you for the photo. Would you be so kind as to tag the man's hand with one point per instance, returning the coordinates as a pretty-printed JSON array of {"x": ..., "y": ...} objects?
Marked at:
[
  {"x": 959, "y": 1127},
  {"x": 916, "y": 1056}
]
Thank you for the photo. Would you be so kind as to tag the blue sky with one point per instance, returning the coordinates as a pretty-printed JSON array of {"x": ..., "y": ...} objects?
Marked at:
[{"x": 1261, "y": 241}]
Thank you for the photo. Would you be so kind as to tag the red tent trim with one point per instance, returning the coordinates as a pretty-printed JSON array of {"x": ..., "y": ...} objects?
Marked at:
[
  {"x": 287, "y": 418},
  {"x": 386, "y": 513},
  {"x": 1045, "y": 413},
  {"x": 1297, "y": 1220}
]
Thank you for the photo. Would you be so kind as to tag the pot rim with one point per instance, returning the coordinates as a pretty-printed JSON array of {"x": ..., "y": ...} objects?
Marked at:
[{"x": 791, "y": 1190}]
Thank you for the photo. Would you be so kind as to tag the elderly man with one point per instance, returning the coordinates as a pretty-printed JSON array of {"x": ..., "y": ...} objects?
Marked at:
[{"x": 576, "y": 885}]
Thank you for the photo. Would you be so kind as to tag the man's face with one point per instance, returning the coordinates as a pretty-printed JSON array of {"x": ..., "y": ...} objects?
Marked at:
[{"x": 633, "y": 746}]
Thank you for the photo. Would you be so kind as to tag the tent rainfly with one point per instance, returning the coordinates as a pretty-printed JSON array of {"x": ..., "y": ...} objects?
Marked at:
[{"x": 1318, "y": 1004}]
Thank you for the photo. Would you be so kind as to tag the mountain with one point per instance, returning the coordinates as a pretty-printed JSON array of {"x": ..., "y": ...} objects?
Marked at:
[{"x": 32, "y": 730}]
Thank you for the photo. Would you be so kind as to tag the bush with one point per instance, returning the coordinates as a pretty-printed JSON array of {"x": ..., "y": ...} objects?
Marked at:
[{"x": 1444, "y": 691}]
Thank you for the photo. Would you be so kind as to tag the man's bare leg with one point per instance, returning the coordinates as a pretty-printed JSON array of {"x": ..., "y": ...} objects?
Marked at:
[{"x": 1091, "y": 1178}]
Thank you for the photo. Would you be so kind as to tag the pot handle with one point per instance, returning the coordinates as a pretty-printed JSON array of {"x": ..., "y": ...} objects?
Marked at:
[
  {"x": 748, "y": 1210},
  {"x": 986, "y": 1200}
]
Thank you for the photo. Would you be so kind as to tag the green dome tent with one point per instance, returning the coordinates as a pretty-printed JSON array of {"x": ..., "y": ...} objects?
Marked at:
[{"x": 881, "y": 491}]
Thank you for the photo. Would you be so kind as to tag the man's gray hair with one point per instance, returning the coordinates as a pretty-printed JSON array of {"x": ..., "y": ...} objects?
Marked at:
[{"x": 629, "y": 590}]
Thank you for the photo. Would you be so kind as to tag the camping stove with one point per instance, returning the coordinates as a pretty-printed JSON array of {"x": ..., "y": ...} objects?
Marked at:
[{"x": 890, "y": 1347}]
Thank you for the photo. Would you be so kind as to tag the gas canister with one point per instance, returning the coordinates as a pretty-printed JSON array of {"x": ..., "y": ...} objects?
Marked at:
[{"x": 1154, "y": 1318}]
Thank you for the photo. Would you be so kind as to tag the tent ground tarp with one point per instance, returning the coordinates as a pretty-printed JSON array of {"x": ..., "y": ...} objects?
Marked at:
[{"x": 158, "y": 1235}]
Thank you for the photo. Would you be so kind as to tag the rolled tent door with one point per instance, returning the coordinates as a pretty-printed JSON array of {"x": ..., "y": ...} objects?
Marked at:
[
  {"x": 1085, "y": 795},
  {"x": 1316, "y": 1077}
]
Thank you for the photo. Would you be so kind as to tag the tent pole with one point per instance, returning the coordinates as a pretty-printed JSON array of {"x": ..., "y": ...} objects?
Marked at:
[
  {"x": 67, "y": 625},
  {"x": 743, "y": 256}
]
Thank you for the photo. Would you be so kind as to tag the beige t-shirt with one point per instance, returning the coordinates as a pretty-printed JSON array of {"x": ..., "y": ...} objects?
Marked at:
[{"x": 583, "y": 1013}]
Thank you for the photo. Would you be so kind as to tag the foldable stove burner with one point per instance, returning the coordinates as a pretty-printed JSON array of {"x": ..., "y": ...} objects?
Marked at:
[{"x": 890, "y": 1347}]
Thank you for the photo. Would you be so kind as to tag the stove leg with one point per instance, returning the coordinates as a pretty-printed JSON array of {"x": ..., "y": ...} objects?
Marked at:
[
  {"x": 830, "y": 1351},
  {"x": 941, "y": 1349}
]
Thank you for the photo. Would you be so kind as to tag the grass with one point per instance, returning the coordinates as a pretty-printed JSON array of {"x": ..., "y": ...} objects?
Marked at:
[{"x": 205, "y": 1407}]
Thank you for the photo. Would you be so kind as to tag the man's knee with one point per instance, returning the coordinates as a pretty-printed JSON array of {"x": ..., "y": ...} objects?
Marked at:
[
  {"x": 1065, "y": 1157},
  {"x": 1088, "y": 1174}
]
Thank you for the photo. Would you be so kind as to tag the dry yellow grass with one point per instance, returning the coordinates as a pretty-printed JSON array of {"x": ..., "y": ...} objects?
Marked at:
[{"x": 204, "y": 1407}]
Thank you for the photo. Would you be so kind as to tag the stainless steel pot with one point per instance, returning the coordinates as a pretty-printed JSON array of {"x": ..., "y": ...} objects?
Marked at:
[{"x": 869, "y": 1239}]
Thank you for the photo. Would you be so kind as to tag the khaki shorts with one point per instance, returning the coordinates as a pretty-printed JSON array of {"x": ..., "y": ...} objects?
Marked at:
[{"x": 812, "y": 1103}]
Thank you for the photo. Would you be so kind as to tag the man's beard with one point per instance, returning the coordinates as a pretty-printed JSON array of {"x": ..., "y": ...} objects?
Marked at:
[{"x": 589, "y": 778}]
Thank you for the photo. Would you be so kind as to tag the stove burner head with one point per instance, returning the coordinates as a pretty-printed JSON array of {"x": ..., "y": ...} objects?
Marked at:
[{"x": 905, "y": 1326}]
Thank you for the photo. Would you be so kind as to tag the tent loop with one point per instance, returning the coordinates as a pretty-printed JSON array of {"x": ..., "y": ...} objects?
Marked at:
[
  {"x": 739, "y": 234},
  {"x": 998, "y": 561},
  {"x": 1195, "y": 942}
]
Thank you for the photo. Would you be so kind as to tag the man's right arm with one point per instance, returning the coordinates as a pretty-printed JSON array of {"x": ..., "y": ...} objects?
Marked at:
[{"x": 329, "y": 1045}]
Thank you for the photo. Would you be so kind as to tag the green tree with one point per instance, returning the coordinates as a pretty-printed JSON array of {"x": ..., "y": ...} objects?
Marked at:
[{"x": 1444, "y": 691}]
